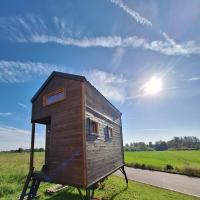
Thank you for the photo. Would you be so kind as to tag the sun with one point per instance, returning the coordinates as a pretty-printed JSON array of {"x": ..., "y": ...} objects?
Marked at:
[{"x": 153, "y": 87}]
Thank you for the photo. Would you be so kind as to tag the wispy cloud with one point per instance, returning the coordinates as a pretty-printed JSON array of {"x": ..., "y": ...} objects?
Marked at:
[
  {"x": 110, "y": 85},
  {"x": 117, "y": 57},
  {"x": 152, "y": 130},
  {"x": 140, "y": 19},
  {"x": 113, "y": 86},
  {"x": 106, "y": 42},
  {"x": 23, "y": 105},
  {"x": 33, "y": 29},
  {"x": 13, "y": 138},
  {"x": 135, "y": 15},
  {"x": 16, "y": 71},
  {"x": 194, "y": 79},
  {"x": 119, "y": 88},
  {"x": 5, "y": 113},
  {"x": 169, "y": 39},
  {"x": 168, "y": 47}
]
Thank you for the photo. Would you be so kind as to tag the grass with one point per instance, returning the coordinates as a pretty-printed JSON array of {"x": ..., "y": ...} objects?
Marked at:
[
  {"x": 182, "y": 162},
  {"x": 13, "y": 171}
]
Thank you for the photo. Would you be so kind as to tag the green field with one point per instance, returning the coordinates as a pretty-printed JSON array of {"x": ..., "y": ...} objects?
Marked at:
[
  {"x": 13, "y": 171},
  {"x": 183, "y": 162}
]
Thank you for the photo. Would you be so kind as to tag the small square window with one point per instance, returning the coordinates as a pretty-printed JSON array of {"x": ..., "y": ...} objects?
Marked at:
[
  {"x": 93, "y": 128},
  {"x": 108, "y": 132}
]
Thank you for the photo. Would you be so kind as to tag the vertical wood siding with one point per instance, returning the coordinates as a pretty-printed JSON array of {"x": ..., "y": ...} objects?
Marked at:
[{"x": 65, "y": 154}]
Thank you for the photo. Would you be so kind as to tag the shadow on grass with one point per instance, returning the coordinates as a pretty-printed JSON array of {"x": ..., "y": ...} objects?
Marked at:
[
  {"x": 116, "y": 194},
  {"x": 72, "y": 195},
  {"x": 63, "y": 195}
]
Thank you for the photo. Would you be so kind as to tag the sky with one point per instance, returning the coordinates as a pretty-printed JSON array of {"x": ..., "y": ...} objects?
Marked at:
[{"x": 120, "y": 46}]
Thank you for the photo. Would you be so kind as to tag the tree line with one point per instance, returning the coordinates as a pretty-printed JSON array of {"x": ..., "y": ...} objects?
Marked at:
[
  {"x": 177, "y": 143},
  {"x": 21, "y": 150}
]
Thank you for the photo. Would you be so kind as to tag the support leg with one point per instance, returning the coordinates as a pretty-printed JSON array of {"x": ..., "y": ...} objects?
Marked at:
[
  {"x": 37, "y": 184},
  {"x": 123, "y": 172},
  {"x": 92, "y": 195},
  {"x": 32, "y": 148},
  {"x": 88, "y": 194},
  {"x": 80, "y": 194}
]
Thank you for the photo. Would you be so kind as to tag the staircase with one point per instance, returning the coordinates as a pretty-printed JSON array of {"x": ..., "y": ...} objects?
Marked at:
[{"x": 30, "y": 187}]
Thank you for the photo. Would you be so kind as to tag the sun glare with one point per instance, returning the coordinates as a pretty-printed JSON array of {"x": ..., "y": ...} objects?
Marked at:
[{"x": 153, "y": 86}]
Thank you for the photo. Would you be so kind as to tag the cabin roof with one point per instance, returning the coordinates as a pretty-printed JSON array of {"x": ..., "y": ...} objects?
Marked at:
[{"x": 69, "y": 76}]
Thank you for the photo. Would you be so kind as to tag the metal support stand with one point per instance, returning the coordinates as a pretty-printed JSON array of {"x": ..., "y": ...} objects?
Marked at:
[
  {"x": 80, "y": 194},
  {"x": 123, "y": 172}
]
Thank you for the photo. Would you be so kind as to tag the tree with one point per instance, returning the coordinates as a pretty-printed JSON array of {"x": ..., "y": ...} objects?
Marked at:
[
  {"x": 20, "y": 150},
  {"x": 150, "y": 145},
  {"x": 161, "y": 146}
]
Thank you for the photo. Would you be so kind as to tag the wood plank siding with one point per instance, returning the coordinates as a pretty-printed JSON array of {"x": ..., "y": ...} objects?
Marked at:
[
  {"x": 65, "y": 128},
  {"x": 83, "y": 131},
  {"x": 103, "y": 154}
]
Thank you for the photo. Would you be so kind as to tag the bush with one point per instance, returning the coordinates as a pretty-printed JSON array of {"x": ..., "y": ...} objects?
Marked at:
[
  {"x": 168, "y": 167},
  {"x": 136, "y": 165},
  {"x": 141, "y": 166},
  {"x": 190, "y": 171},
  {"x": 20, "y": 150}
]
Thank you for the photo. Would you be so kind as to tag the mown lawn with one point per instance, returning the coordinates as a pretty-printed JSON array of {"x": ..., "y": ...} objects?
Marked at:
[
  {"x": 184, "y": 162},
  {"x": 13, "y": 171}
]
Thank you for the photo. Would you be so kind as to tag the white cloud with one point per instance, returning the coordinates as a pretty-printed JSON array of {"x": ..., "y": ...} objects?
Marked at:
[
  {"x": 170, "y": 47},
  {"x": 116, "y": 87},
  {"x": 117, "y": 57},
  {"x": 13, "y": 138},
  {"x": 17, "y": 28},
  {"x": 194, "y": 79},
  {"x": 34, "y": 30},
  {"x": 152, "y": 130},
  {"x": 169, "y": 39},
  {"x": 61, "y": 26},
  {"x": 23, "y": 105},
  {"x": 106, "y": 42},
  {"x": 135, "y": 15},
  {"x": 16, "y": 71},
  {"x": 167, "y": 48},
  {"x": 5, "y": 113},
  {"x": 112, "y": 86}
]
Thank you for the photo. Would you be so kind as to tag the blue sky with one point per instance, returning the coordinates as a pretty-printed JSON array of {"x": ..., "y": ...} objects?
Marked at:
[{"x": 118, "y": 45}]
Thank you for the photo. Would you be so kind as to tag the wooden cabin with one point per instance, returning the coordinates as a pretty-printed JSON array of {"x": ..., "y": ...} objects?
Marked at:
[{"x": 83, "y": 131}]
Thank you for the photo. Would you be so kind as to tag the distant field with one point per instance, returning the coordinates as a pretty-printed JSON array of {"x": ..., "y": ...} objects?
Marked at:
[
  {"x": 184, "y": 162},
  {"x": 13, "y": 171}
]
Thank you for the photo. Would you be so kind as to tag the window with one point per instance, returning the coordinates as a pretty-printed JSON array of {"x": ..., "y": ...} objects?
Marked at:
[
  {"x": 108, "y": 132},
  {"x": 93, "y": 127},
  {"x": 54, "y": 97}
]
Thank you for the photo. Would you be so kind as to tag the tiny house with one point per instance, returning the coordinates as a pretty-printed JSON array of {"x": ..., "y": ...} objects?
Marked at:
[{"x": 83, "y": 132}]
